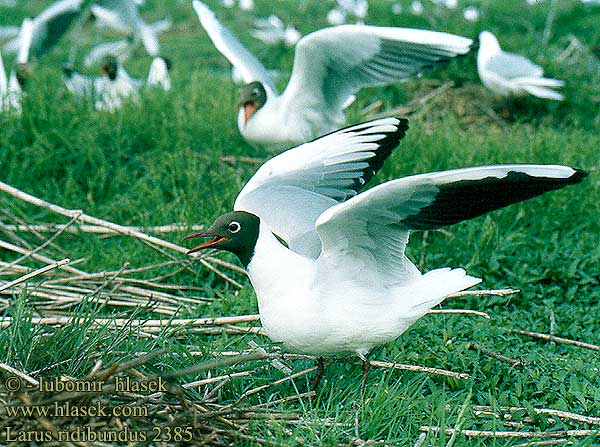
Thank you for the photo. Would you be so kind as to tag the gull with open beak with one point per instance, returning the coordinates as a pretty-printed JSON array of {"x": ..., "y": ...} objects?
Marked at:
[
  {"x": 328, "y": 264},
  {"x": 330, "y": 66}
]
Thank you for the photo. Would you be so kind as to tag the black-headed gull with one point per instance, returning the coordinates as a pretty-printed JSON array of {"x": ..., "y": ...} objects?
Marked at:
[
  {"x": 330, "y": 66},
  {"x": 509, "y": 74},
  {"x": 49, "y": 26},
  {"x": 115, "y": 85},
  {"x": 341, "y": 282}
]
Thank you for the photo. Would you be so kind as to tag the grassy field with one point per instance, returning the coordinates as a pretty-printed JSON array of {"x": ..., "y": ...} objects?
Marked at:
[{"x": 178, "y": 157}]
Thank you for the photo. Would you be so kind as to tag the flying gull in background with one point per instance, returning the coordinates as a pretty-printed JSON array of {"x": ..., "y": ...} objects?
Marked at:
[
  {"x": 330, "y": 66},
  {"x": 272, "y": 31},
  {"x": 344, "y": 8},
  {"x": 328, "y": 264},
  {"x": 49, "y": 26},
  {"x": 122, "y": 16},
  {"x": 509, "y": 74}
]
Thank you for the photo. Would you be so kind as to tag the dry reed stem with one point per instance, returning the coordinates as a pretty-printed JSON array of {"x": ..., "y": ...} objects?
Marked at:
[
  {"x": 547, "y": 411},
  {"x": 51, "y": 228},
  {"x": 415, "y": 368},
  {"x": 545, "y": 443},
  {"x": 459, "y": 312},
  {"x": 276, "y": 382},
  {"x": 21, "y": 374},
  {"x": 45, "y": 244},
  {"x": 553, "y": 338},
  {"x": 513, "y": 434},
  {"x": 416, "y": 105},
  {"x": 498, "y": 292},
  {"x": 33, "y": 274},
  {"x": 79, "y": 215},
  {"x": 495, "y": 355},
  {"x": 38, "y": 257}
]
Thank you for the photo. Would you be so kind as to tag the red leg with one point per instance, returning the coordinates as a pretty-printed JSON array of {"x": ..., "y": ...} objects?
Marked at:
[{"x": 319, "y": 376}]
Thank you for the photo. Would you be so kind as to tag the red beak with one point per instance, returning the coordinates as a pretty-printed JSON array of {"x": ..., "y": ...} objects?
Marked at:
[
  {"x": 216, "y": 240},
  {"x": 250, "y": 108}
]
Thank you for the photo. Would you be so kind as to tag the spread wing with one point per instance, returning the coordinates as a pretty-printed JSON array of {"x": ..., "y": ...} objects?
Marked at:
[
  {"x": 371, "y": 229},
  {"x": 332, "y": 64},
  {"x": 25, "y": 39},
  {"x": 249, "y": 67},
  {"x": 108, "y": 18},
  {"x": 52, "y": 24},
  {"x": 122, "y": 15},
  {"x": 290, "y": 191}
]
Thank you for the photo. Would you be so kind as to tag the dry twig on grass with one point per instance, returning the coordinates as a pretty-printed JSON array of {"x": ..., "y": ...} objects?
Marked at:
[
  {"x": 546, "y": 411},
  {"x": 80, "y": 216},
  {"x": 513, "y": 434},
  {"x": 33, "y": 274},
  {"x": 95, "y": 229},
  {"x": 553, "y": 338},
  {"x": 496, "y": 355}
]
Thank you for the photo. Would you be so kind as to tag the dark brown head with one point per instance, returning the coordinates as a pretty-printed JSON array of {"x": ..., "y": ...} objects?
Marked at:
[
  {"x": 236, "y": 232},
  {"x": 23, "y": 73},
  {"x": 110, "y": 66},
  {"x": 252, "y": 97}
]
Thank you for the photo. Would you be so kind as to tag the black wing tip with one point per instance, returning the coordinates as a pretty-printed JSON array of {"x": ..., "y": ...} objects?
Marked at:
[
  {"x": 401, "y": 129},
  {"x": 402, "y": 124},
  {"x": 579, "y": 176}
]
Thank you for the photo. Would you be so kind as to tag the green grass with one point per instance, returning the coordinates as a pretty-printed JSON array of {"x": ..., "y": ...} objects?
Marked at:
[{"x": 159, "y": 162}]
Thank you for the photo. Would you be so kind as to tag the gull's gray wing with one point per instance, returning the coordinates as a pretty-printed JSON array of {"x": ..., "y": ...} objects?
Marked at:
[
  {"x": 510, "y": 66},
  {"x": 290, "y": 191}
]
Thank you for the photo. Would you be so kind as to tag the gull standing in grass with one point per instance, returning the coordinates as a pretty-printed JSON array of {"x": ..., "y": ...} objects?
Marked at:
[
  {"x": 328, "y": 264},
  {"x": 330, "y": 66},
  {"x": 509, "y": 74},
  {"x": 115, "y": 85},
  {"x": 11, "y": 89}
]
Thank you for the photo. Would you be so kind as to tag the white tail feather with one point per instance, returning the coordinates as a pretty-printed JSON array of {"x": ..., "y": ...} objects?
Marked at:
[
  {"x": 542, "y": 92},
  {"x": 540, "y": 82},
  {"x": 434, "y": 287}
]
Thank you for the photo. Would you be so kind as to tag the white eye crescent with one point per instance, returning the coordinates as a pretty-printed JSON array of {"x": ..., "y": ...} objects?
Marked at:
[{"x": 234, "y": 227}]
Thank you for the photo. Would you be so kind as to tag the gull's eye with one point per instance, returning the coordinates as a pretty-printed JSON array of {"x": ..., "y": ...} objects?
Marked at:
[
  {"x": 234, "y": 227},
  {"x": 255, "y": 92}
]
